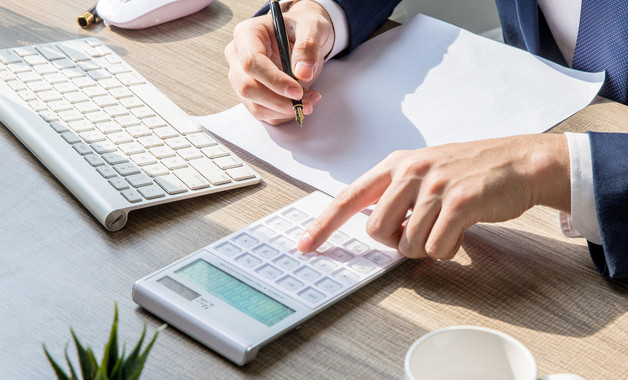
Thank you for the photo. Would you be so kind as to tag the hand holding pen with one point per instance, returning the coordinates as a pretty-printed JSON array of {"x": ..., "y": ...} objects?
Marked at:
[{"x": 255, "y": 69}]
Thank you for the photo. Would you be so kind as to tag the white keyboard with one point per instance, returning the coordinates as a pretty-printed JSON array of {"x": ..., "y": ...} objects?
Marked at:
[
  {"x": 113, "y": 139},
  {"x": 246, "y": 289}
]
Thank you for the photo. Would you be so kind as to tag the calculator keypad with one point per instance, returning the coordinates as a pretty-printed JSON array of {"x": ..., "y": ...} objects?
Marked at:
[{"x": 267, "y": 250}]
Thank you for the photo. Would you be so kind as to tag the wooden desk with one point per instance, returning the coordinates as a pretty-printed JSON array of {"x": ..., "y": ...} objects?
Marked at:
[{"x": 60, "y": 268}]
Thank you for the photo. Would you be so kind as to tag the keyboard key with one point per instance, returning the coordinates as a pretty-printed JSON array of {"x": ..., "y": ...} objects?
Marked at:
[
  {"x": 92, "y": 137},
  {"x": 131, "y": 195},
  {"x": 82, "y": 148},
  {"x": 201, "y": 140},
  {"x": 215, "y": 151},
  {"x": 227, "y": 162},
  {"x": 59, "y": 127},
  {"x": 50, "y": 52},
  {"x": 8, "y": 56},
  {"x": 178, "y": 143},
  {"x": 191, "y": 178},
  {"x": 171, "y": 184},
  {"x": 190, "y": 154},
  {"x": 108, "y": 127},
  {"x": 94, "y": 159},
  {"x": 115, "y": 158},
  {"x": 154, "y": 122},
  {"x": 139, "y": 180},
  {"x": 173, "y": 163},
  {"x": 241, "y": 173},
  {"x": 160, "y": 151},
  {"x": 70, "y": 137},
  {"x": 126, "y": 169},
  {"x": 262, "y": 232},
  {"x": 119, "y": 183},
  {"x": 151, "y": 142},
  {"x": 105, "y": 101},
  {"x": 165, "y": 132},
  {"x": 142, "y": 159},
  {"x": 131, "y": 148},
  {"x": 34, "y": 60},
  {"x": 151, "y": 192},
  {"x": 106, "y": 171},
  {"x": 155, "y": 170},
  {"x": 73, "y": 115},
  {"x": 75, "y": 50},
  {"x": 210, "y": 171}
]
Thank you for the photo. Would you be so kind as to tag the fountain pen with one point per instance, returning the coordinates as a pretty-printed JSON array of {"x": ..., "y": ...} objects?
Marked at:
[{"x": 284, "y": 53}]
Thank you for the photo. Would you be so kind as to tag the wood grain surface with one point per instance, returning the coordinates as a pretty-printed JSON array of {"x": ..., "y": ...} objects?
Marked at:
[{"x": 60, "y": 268}]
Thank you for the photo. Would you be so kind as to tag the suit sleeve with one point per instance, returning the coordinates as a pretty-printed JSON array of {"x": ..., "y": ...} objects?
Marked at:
[
  {"x": 364, "y": 17},
  {"x": 609, "y": 156}
]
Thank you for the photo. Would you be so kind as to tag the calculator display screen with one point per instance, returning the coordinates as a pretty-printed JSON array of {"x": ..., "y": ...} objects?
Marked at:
[{"x": 235, "y": 292}]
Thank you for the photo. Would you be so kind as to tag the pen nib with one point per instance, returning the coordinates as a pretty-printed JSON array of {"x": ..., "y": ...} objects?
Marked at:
[{"x": 298, "y": 113}]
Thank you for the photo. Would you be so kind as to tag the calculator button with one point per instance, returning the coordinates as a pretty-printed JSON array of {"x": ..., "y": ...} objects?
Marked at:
[
  {"x": 295, "y": 233},
  {"x": 307, "y": 274},
  {"x": 338, "y": 237},
  {"x": 286, "y": 262},
  {"x": 303, "y": 256},
  {"x": 227, "y": 249},
  {"x": 362, "y": 266},
  {"x": 328, "y": 285},
  {"x": 307, "y": 221},
  {"x": 262, "y": 232},
  {"x": 294, "y": 215},
  {"x": 290, "y": 283},
  {"x": 282, "y": 242},
  {"x": 311, "y": 295},
  {"x": 339, "y": 254},
  {"x": 249, "y": 261},
  {"x": 356, "y": 246},
  {"x": 265, "y": 251},
  {"x": 278, "y": 224},
  {"x": 324, "y": 247},
  {"x": 378, "y": 257},
  {"x": 325, "y": 264},
  {"x": 245, "y": 240},
  {"x": 268, "y": 271},
  {"x": 346, "y": 277}
]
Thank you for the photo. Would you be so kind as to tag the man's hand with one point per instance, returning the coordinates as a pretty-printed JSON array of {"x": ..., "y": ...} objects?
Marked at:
[
  {"x": 255, "y": 67},
  {"x": 448, "y": 188}
]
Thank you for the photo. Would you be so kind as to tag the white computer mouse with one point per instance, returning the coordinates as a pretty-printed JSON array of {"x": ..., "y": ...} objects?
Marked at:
[{"x": 139, "y": 14}]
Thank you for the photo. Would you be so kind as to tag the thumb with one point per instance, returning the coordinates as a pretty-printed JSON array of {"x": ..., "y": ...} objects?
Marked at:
[{"x": 312, "y": 44}]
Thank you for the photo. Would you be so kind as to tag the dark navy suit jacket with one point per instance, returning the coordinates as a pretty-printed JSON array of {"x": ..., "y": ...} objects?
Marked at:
[{"x": 524, "y": 27}]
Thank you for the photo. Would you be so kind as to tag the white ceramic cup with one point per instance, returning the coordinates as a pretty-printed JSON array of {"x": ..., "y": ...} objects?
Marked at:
[{"x": 472, "y": 353}]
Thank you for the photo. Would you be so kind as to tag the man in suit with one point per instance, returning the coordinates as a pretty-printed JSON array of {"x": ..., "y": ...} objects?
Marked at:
[{"x": 451, "y": 187}]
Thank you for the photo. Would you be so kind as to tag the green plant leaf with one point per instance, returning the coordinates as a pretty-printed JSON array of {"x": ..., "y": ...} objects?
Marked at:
[
  {"x": 130, "y": 363},
  {"x": 67, "y": 359},
  {"x": 87, "y": 360},
  {"x": 61, "y": 375},
  {"x": 110, "y": 356},
  {"x": 142, "y": 359}
]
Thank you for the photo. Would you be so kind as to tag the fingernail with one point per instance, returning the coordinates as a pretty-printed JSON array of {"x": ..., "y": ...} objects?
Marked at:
[
  {"x": 305, "y": 243},
  {"x": 293, "y": 92},
  {"x": 315, "y": 97},
  {"x": 304, "y": 70}
]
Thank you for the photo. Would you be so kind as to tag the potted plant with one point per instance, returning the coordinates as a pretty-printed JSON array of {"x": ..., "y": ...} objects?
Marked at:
[{"x": 114, "y": 365}]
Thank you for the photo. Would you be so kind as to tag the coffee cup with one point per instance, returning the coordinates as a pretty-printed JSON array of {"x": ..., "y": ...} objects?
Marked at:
[{"x": 472, "y": 353}]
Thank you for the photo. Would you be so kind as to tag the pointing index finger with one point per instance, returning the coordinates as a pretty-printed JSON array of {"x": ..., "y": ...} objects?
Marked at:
[{"x": 364, "y": 192}]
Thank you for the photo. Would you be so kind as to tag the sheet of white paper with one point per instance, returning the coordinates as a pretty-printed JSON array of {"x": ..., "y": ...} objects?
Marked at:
[{"x": 421, "y": 84}]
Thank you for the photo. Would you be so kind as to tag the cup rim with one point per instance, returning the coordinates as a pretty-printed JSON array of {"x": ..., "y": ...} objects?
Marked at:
[{"x": 501, "y": 334}]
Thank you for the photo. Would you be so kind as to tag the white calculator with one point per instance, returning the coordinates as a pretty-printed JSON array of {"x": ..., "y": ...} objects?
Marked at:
[{"x": 250, "y": 287}]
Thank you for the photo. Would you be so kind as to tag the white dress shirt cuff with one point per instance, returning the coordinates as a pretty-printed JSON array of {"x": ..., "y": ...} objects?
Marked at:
[
  {"x": 582, "y": 222},
  {"x": 341, "y": 26}
]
